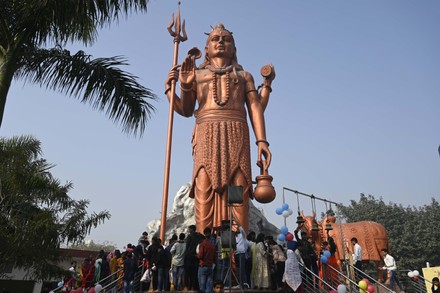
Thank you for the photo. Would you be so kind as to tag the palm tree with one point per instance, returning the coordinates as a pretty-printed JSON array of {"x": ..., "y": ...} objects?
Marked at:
[
  {"x": 36, "y": 213},
  {"x": 27, "y": 28}
]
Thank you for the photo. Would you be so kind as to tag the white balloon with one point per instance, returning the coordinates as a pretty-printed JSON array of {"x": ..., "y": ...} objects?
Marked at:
[
  {"x": 98, "y": 288},
  {"x": 416, "y": 273},
  {"x": 410, "y": 274},
  {"x": 286, "y": 213},
  {"x": 342, "y": 288},
  {"x": 290, "y": 211}
]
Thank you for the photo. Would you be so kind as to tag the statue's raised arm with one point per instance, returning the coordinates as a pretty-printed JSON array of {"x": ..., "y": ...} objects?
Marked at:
[{"x": 268, "y": 73}]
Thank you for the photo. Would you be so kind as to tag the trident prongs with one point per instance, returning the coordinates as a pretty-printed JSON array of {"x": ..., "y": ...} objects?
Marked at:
[{"x": 177, "y": 28}]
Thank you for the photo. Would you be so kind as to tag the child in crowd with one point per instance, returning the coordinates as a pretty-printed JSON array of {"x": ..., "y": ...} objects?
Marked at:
[{"x": 218, "y": 286}]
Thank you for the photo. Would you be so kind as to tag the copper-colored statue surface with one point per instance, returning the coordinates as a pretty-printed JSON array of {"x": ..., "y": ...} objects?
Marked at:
[
  {"x": 224, "y": 94},
  {"x": 371, "y": 236}
]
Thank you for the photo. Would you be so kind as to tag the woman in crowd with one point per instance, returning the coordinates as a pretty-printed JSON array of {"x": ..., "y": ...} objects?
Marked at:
[
  {"x": 292, "y": 274},
  {"x": 279, "y": 259},
  {"x": 260, "y": 269}
]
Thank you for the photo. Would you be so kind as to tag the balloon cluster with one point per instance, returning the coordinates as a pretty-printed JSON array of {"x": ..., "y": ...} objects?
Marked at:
[
  {"x": 366, "y": 286},
  {"x": 325, "y": 256},
  {"x": 285, "y": 235},
  {"x": 284, "y": 210},
  {"x": 414, "y": 275}
]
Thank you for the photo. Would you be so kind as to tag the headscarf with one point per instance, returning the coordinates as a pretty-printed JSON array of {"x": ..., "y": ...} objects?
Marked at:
[
  {"x": 292, "y": 245},
  {"x": 292, "y": 274}
]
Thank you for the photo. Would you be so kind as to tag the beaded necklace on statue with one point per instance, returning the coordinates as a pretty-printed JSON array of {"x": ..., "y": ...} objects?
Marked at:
[{"x": 220, "y": 71}]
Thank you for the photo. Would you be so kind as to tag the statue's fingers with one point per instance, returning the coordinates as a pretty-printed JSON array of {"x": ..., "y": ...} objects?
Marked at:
[
  {"x": 268, "y": 160},
  {"x": 187, "y": 64}
]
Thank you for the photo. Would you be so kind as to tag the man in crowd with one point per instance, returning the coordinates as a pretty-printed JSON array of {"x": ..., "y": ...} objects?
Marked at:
[
  {"x": 207, "y": 256},
  {"x": 357, "y": 258},
  {"x": 391, "y": 267}
]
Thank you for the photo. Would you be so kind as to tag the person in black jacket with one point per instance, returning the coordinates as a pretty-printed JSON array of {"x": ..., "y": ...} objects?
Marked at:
[
  {"x": 308, "y": 254},
  {"x": 191, "y": 262},
  {"x": 155, "y": 257},
  {"x": 129, "y": 270}
]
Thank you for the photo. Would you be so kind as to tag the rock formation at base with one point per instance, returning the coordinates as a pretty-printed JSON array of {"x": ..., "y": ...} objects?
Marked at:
[{"x": 182, "y": 215}]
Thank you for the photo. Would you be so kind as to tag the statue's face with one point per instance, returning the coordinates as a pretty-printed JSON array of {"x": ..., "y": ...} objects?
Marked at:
[{"x": 220, "y": 44}]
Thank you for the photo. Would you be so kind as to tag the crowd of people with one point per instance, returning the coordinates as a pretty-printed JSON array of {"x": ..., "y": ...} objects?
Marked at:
[{"x": 194, "y": 261}]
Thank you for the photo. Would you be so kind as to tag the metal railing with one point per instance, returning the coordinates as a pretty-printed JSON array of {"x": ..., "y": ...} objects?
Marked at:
[
  {"x": 378, "y": 285},
  {"x": 341, "y": 278},
  {"x": 416, "y": 284},
  {"x": 312, "y": 282},
  {"x": 117, "y": 284},
  {"x": 114, "y": 282}
]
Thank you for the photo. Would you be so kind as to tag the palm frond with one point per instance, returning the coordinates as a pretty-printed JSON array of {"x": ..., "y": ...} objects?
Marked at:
[
  {"x": 74, "y": 20},
  {"x": 98, "y": 82},
  {"x": 24, "y": 148}
]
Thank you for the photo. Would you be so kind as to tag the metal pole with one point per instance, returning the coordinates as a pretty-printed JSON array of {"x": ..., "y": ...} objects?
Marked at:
[
  {"x": 284, "y": 201},
  {"x": 310, "y": 195}
]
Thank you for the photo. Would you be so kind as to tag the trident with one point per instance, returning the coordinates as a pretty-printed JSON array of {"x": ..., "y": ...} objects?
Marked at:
[{"x": 177, "y": 39}]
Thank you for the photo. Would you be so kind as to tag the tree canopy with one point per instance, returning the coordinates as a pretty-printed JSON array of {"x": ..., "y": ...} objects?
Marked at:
[
  {"x": 37, "y": 215},
  {"x": 29, "y": 28},
  {"x": 413, "y": 232}
]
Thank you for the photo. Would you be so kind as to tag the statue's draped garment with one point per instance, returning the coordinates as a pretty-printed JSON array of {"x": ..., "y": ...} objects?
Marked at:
[{"x": 221, "y": 147}]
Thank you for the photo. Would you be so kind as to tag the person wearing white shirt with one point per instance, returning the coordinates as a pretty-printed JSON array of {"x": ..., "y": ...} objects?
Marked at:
[
  {"x": 391, "y": 267},
  {"x": 240, "y": 256},
  {"x": 357, "y": 258}
]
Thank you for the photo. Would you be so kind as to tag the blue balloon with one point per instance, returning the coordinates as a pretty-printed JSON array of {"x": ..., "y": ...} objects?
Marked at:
[
  {"x": 279, "y": 211},
  {"x": 327, "y": 253},
  {"x": 285, "y": 206},
  {"x": 281, "y": 237},
  {"x": 284, "y": 230},
  {"x": 324, "y": 259}
]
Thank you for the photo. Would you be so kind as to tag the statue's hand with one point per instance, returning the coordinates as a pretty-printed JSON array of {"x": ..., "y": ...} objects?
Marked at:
[
  {"x": 172, "y": 75},
  {"x": 188, "y": 71},
  {"x": 264, "y": 155},
  {"x": 268, "y": 73}
]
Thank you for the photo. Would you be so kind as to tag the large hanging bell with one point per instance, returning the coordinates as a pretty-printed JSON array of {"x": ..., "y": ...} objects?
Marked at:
[
  {"x": 328, "y": 226},
  {"x": 315, "y": 227}
]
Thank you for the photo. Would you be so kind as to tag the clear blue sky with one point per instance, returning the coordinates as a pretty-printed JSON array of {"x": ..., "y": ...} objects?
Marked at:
[{"x": 355, "y": 106}]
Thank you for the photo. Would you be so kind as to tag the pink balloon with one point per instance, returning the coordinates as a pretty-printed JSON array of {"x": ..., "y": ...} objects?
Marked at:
[
  {"x": 91, "y": 290},
  {"x": 366, "y": 281},
  {"x": 289, "y": 236},
  {"x": 370, "y": 288},
  {"x": 77, "y": 290},
  {"x": 333, "y": 291}
]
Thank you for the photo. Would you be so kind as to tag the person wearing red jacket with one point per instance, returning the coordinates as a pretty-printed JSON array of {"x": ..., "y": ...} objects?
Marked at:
[{"x": 207, "y": 256}]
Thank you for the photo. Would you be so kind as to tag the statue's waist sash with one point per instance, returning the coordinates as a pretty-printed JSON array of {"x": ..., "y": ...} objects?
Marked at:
[{"x": 220, "y": 115}]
